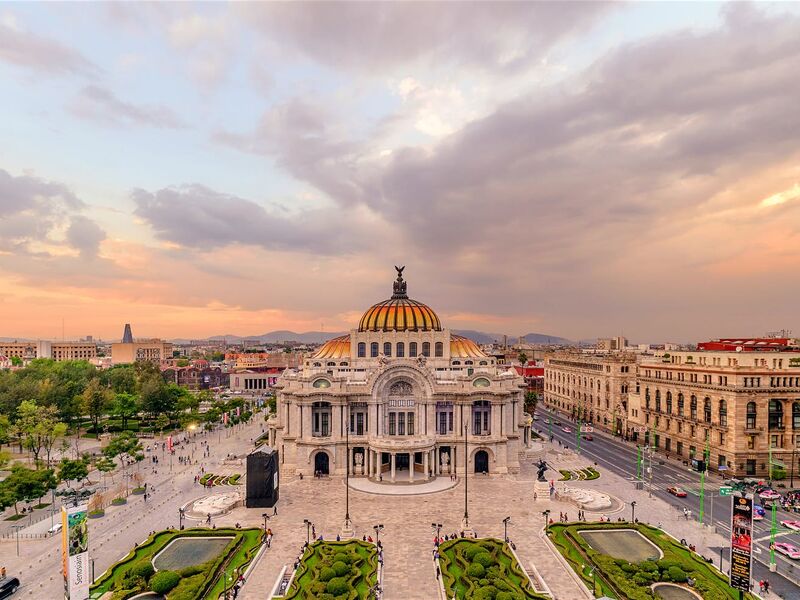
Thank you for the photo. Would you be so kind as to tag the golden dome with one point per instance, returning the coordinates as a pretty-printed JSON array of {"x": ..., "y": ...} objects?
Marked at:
[
  {"x": 461, "y": 347},
  {"x": 399, "y": 313},
  {"x": 338, "y": 347}
]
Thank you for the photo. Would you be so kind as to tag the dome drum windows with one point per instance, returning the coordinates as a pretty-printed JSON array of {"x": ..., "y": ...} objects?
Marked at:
[
  {"x": 373, "y": 350},
  {"x": 362, "y": 350},
  {"x": 412, "y": 349},
  {"x": 387, "y": 348},
  {"x": 426, "y": 349},
  {"x": 401, "y": 350}
]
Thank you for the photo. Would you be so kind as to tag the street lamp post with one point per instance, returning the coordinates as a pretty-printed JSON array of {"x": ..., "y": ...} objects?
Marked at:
[
  {"x": 505, "y": 529},
  {"x": 633, "y": 511},
  {"x": 93, "y": 569},
  {"x": 546, "y": 515},
  {"x": 378, "y": 528},
  {"x": 466, "y": 460},
  {"x": 265, "y": 516},
  {"x": 438, "y": 528},
  {"x": 306, "y": 522},
  {"x": 180, "y": 518},
  {"x": 347, "y": 470}
]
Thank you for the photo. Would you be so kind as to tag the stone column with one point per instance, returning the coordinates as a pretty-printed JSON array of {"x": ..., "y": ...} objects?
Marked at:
[
  {"x": 378, "y": 459},
  {"x": 425, "y": 458},
  {"x": 411, "y": 467},
  {"x": 368, "y": 462},
  {"x": 349, "y": 459},
  {"x": 392, "y": 459}
]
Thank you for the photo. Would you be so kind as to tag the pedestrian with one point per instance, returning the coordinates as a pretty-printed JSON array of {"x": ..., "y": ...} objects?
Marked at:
[{"x": 276, "y": 511}]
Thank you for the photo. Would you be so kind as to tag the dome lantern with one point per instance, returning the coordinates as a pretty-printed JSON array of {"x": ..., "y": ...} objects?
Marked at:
[{"x": 399, "y": 313}]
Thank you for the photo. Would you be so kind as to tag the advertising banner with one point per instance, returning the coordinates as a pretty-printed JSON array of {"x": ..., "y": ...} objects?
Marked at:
[
  {"x": 75, "y": 548},
  {"x": 225, "y": 418},
  {"x": 741, "y": 541},
  {"x": 169, "y": 443}
]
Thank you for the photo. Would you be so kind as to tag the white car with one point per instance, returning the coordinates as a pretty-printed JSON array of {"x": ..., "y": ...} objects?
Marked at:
[
  {"x": 789, "y": 550},
  {"x": 55, "y": 529},
  {"x": 791, "y": 525},
  {"x": 769, "y": 495}
]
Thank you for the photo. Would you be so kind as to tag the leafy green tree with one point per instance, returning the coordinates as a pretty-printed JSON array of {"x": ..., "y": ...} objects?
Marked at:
[
  {"x": 69, "y": 470},
  {"x": 124, "y": 407},
  {"x": 125, "y": 447},
  {"x": 155, "y": 397},
  {"x": 531, "y": 402},
  {"x": 162, "y": 421},
  {"x": 24, "y": 484},
  {"x": 105, "y": 465},
  {"x": 38, "y": 428},
  {"x": 523, "y": 358},
  {"x": 16, "y": 361},
  {"x": 5, "y": 428},
  {"x": 96, "y": 403},
  {"x": 123, "y": 379}
]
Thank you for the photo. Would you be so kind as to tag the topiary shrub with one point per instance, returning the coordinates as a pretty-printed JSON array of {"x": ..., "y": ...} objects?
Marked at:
[
  {"x": 485, "y": 593},
  {"x": 504, "y": 596},
  {"x": 341, "y": 569},
  {"x": 326, "y": 574},
  {"x": 143, "y": 569},
  {"x": 164, "y": 581},
  {"x": 676, "y": 574},
  {"x": 476, "y": 570},
  {"x": 337, "y": 586},
  {"x": 472, "y": 551},
  {"x": 342, "y": 557},
  {"x": 484, "y": 558}
]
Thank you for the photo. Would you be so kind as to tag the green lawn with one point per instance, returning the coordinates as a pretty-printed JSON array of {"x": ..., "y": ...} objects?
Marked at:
[
  {"x": 483, "y": 569},
  {"x": 352, "y": 566},
  {"x": 196, "y": 582},
  {"x": 619, "y": 578}
]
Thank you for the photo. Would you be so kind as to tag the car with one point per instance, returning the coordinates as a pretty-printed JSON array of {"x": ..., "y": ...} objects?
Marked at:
[
  {"x": 789, "y": 550},
  {"x": 588, "y": 437},
  {"x": 8, "y": 587},
  {"x": 795, "y": 525},
  {"x": 55, "y": 529},
  {"x": 758, "y": 512},
  {"x": 557, "y": 423},
  {"x": 566, "y": 430},
  {"x": 676, "y": 491},
  {"x": 768, "y": 494}
]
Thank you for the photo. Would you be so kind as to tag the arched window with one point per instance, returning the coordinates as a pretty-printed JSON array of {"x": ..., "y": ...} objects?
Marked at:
[
  {"x": 426, "y": 348},
  {"x": 401, "y": 350},
  {"x": 412, "y": 349},
  {"x": 775, "y": 417},
  {"x": 723, "y": 413},
  {"x": 387, "y": 348},
  {"x": 707, "y": 409},
  {"x": 680, "y": 405},
  {"x": 362, "y": 350},
  {"x": 693, "y": 407},
  {"x": 669, "y": 403},
  {"x": 330, "y": 364},
  {"x": 481, "y": 417},
  {"x": 795, "y": 415},
  {"x": 373, "y": 349},
  {"x": 439, "y": 349},
  {"x": 751, "y": 416}
]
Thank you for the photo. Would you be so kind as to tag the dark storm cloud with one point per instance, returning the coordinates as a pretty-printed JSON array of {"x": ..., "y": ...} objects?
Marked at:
[
  {"x": 380, "y": 35},
  {"x": 95, "y": 103},
  {"x": 31, "y": 51},
  {"x": 198, "y": 217}
]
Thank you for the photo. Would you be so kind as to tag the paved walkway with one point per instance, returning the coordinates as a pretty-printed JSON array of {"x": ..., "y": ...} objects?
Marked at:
[{"x": 362, "y": 484}]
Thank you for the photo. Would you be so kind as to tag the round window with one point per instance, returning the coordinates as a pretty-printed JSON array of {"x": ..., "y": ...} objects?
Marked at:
[
  {"x": 481, "y": 382},
  {"x": 322, "y": 383}
]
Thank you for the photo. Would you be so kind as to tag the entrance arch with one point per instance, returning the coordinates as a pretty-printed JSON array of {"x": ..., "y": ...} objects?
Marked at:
[
  {"x": 322, "y": 463},
  {"x": 481, "y": 461}
]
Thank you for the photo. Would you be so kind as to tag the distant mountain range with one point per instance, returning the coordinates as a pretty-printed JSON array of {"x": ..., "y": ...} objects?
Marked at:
[{"x": 318, "y": 337}]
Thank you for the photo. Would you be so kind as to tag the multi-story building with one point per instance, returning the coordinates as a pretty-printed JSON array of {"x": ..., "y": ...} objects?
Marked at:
[
  {"x": 745, "y": 405},
  {"x": 201, "y": 377},
  {"x": 131, "y": 350},
  {"x": 413, "y": 399},
  {"x": 45, "y": 349},
  {"x": 591, "y": 387}
]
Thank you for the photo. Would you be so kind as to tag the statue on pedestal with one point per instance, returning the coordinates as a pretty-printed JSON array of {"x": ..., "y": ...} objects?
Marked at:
[
  {"x": 360, "y": 463},
  {"x": 445, "y": 460},
  {"x": 542, "y": 468}
]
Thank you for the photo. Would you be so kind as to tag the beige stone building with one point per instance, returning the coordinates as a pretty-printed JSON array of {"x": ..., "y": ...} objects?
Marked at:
[
  {"x": 591, "y": 387},
  {"x": 417, "y": 400},
  {"x": 47, "y": 349},
  {"x": 741, "y": 402},
  {"x": 153, "y": 350}
]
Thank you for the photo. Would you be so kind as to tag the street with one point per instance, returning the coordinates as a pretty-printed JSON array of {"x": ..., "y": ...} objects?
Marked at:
[{"x": 620, "y": 457}]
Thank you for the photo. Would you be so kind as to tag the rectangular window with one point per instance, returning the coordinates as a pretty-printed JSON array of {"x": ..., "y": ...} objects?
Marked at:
[
  {"x": 392, "y": 423},
  {"x": 442, "y": 423},
  {"x": 401, "y": 423},
  {"x": 412, "y": 349},
  {"x": 751, "y": 442},
  {"x": 410, "y": 419}
]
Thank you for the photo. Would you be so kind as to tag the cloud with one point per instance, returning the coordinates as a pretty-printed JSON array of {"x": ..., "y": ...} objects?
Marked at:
[
  {"x": 31, "y": 51},
  {"x": 96, "y": 103},
  {"x": 85, "y": 235},
  {"x": 384, "y": 35},
  {"x": 195, "y": 216}
]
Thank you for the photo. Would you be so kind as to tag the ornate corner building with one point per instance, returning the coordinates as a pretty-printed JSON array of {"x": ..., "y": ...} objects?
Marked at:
[{"x": 400, "y": 399}]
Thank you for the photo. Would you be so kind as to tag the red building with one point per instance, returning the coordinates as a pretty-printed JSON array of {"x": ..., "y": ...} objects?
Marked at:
[{"x": 750, "y": 345}]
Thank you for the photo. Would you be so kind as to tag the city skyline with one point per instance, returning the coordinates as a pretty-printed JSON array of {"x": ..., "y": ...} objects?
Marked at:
[{"x": 570, "y": 169}]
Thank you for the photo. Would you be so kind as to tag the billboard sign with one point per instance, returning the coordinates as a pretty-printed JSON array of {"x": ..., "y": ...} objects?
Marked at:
[
  {"x": 75, "y": 551},
  {"x": 741, "y": 541}
]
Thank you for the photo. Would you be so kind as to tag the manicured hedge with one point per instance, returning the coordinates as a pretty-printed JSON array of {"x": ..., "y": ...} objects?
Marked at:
[
  {"x": 335, "y": 570},
  {"x": 633, "y": 580},
  {"x": 482, "y": 569}
]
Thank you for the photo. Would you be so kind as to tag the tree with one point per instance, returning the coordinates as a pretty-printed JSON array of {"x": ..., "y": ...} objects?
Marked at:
[
  {"x": 126, "y": 447},
  {"x": 523, "y": 358},
  {"x": 105, "y": 465},
  {"x": 124, "y": 407},
  {"x": 16, "y": 361},
  {"x": 69, "y": 470},
  {"x": 531, "y": 401},
  {"x": 161, "y": 422},
  {"x": 38, "y": 428},
  {"x": 123, "y": 379},
  {"x": 155, "y": 398},
  {"x": 95, "y": 400},
  {"x": 25, "y": 484}
]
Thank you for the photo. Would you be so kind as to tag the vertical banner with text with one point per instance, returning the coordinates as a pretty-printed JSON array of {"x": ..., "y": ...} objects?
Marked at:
[
  {"x": 741, "y": 542},
  {"x": 75, "y": 546}
]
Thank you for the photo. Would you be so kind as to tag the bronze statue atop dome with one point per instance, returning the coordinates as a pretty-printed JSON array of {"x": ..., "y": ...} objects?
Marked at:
[{"x": 399, "y": 286}]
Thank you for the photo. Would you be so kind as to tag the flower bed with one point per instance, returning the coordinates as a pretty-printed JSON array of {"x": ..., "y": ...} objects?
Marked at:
[
  {"x": 483, "y": 569},
  {"x": 586, "y": 474},
  {"x": 341, "y": 569},
  {"x": 214, "y": 480},
  {"x": 119, "y": 501},
  {"x": 135, "y": 574},
  {"x": 632, "y": 580}
]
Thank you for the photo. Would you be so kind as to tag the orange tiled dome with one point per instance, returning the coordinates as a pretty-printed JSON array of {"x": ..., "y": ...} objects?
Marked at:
[
  {"x": 338, "y": 347},
  {"x": 400, "y": 313},
  {"x": 461, "y": 347}
]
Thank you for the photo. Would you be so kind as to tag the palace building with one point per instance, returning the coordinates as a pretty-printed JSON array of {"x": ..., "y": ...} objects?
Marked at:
[{"x": 400, "y": 399}]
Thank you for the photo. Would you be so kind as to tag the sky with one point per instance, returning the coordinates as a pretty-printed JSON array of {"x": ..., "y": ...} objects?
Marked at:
[{"x": 575, "y": 169}]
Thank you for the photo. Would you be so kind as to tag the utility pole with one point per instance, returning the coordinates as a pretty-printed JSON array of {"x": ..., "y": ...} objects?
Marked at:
[
  {"x": 638, "y": 462},
  {"x": 578, "y": 434},
  {"x": 703, "y": 482},
  {"x": 772, "y": 566}
]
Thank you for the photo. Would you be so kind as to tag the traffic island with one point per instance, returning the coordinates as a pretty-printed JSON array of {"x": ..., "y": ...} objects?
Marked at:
[{"x": 627, "y": 561}]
